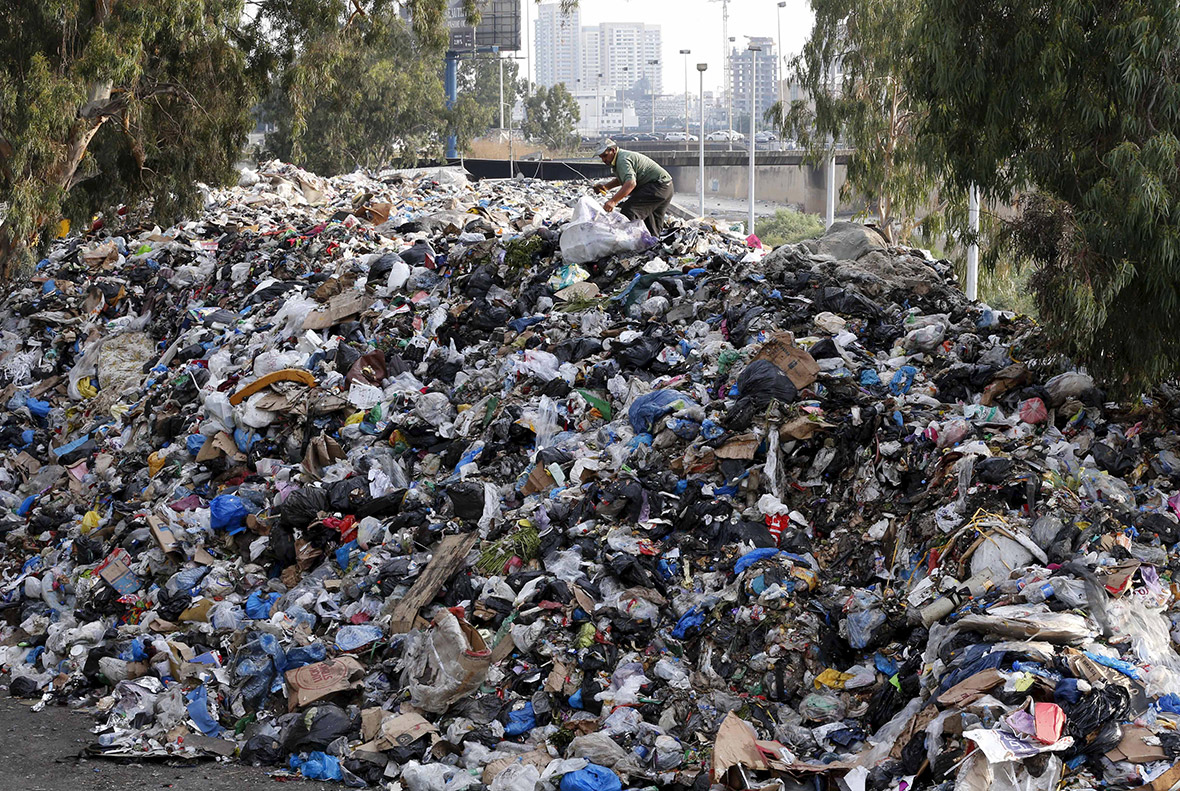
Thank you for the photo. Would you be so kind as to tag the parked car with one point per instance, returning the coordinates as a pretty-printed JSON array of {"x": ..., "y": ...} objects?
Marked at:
[
  {"x": 724, "y": 135},
  {"x": 647, "y": 137},
  {"x": 765, "y": 137},
  {"x": 680, "y": 137},
  {"x": 626, "y": 137}
]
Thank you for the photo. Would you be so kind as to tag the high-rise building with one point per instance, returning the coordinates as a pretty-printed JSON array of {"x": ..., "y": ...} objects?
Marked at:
[
  {"x": 742, "y": 76},
  {"x": 623, "y": 53},
  {"x": 558, "y": 47}
]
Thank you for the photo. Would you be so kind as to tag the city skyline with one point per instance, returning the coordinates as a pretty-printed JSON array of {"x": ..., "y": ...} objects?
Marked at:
[{"x": 690, "y": 24}]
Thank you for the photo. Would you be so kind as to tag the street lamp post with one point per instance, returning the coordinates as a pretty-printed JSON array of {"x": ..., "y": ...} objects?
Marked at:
[
  {"x": 729, "y": 93},
  {"x": 779, "y": 60},
  {"x": 501, "y": 89},
  {"x": 598, "y": 105},
  {"x": 754, "y": 50},
  {"x": 701, "y": 67},
  {"x": 651, "y": 78},
  {"x": 623, "y": 122},
  {"x": 686, "y": 53}
]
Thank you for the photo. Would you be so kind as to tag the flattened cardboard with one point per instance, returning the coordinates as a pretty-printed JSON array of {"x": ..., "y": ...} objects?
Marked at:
[
  {"x": 321, "y": 679},
  {"x": 1134, "y": 748},
  {"x": 799, "y": 366}
]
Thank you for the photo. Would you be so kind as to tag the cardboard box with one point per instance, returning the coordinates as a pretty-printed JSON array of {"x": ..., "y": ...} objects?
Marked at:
[{"x": 116, "y": 571}]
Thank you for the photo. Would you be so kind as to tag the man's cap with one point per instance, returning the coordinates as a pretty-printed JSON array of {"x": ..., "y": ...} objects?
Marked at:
[{"x": 607, "y": 145}]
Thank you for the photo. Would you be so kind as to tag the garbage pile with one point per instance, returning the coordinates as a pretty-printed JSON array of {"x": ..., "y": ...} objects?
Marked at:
[{"x": 362, "y": 479}]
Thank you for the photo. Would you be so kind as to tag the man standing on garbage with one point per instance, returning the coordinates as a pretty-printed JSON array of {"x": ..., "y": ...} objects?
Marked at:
[{"x": 646, "y": 186}]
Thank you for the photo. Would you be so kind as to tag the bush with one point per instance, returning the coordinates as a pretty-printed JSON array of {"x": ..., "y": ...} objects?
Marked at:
[{"x": 787, "y": 227}]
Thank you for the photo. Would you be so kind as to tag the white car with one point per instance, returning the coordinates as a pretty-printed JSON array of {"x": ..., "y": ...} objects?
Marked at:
[
  {"x": 724, "y": 135},
  {"x": 680, "y": 137}
]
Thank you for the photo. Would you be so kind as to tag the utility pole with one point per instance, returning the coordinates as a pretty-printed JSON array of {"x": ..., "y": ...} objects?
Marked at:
[
  {"x": 452, "y": 80},
  {"x": 973, "y": 248},
  {"x": 501, "y": 61},
  {"x": 830, "y": 215},
  {"x": 528, "y": 49},
  {"x": 686, "y": 53},
  {"x": 701, "y": 67},
  {"x": 754, "y": 49},
  {"x": 729, "y": 91}
]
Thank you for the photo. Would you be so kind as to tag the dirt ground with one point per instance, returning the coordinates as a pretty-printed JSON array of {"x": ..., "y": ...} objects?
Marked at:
[{"x": 39, "y": 751}]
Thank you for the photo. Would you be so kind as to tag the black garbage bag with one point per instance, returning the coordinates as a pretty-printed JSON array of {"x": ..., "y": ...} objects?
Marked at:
[
  {"x": 758, "y": 384},
  {"x": 262, "y": 749},
  {"x": 316, "y": 728},
  {"x": 994, "y": 470},
  {"x": 379, "y": 270},
  {"x": 467, "y": 498},
  {"x": 170, "y": 605},
  {"x": 1117, "y": 462},
  {"x": 1160, "y": 525},
  {"x": 348, "y": 495},
  {"x": 639, "y": 353},
  {"x": 303, "y": 506}
]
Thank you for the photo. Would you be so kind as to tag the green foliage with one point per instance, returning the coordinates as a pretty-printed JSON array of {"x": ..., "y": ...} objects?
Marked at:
[
  {"x": 522, "y": 542},
  {"x": 551, "y": 115},
  {"x": 868, "y": 107},
  {"x": 479, "y": 79},
  {"x": 109, "y": 102},
  {"x": 367, "y": 95},
  {"x": 788, "y": 226},
  {"x": 1078, "y": 103}
]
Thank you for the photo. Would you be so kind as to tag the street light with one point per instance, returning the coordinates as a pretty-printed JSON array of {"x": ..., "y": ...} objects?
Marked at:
[
  {"x": 686, "y": 53},
  {"x": 623, "y": 123},
  {"x": 754, "y": 50},
  {"x": 597, "y": 105},
  {"x": 778, "y": 62},
  {"x": 729, "y": 94},
  {"x": 701, "y": 67},
  {"x": 651, "y": 78}
]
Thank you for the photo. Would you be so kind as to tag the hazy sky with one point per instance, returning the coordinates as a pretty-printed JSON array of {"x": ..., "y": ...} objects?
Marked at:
[{"x": 696, "y": 25}]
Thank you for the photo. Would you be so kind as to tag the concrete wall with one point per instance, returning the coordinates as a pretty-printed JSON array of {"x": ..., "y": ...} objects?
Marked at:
[{"x": 801, "y": 186}]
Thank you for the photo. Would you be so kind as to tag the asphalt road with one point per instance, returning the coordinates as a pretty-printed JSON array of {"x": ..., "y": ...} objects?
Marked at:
[{"x": 39, "y": 751}]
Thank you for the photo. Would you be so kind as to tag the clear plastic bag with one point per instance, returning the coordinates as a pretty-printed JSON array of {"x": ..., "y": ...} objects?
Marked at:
[{"x": 594, "y": 234}]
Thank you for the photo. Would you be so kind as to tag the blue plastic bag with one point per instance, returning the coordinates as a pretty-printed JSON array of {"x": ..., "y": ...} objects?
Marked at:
[
  {"x": 198, "y": 711},
  {"x": 258, "y": 606},
  {"x": 647, "y": 409},
  {"x": 592, "y": 778},
  {"x": 226, "y": 512},
  {"x": 692, "y": 619},
  {"x": 903, "y": 380},
  {"x": 521, "y": 721},
  {"x": 194, "y": 443},
  {"x": 752, "y": 557},
  {"x": 317, "y": 766}
]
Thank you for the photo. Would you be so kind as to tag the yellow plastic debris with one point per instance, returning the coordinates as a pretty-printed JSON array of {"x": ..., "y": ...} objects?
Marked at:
[
  {"x": 832, "y": 678},
  {"x": 87, "y": 388}
]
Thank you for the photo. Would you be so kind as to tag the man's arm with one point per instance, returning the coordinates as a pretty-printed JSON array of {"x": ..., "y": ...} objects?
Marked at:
[
  {"x": 603, "y": 186},
  {"x": 626, "y": 189}
]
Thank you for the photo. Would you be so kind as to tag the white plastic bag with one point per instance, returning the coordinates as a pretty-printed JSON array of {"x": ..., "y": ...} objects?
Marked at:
[{"x": 594, "y": 234}]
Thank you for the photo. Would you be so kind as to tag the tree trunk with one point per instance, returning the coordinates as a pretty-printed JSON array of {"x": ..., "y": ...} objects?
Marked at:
[{"x": 10, "y": 252}]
